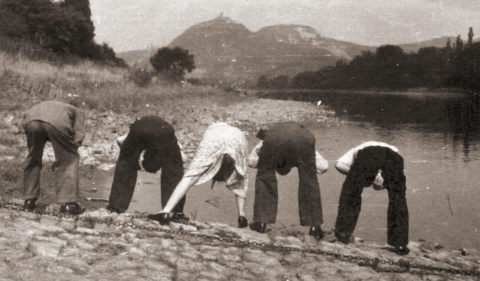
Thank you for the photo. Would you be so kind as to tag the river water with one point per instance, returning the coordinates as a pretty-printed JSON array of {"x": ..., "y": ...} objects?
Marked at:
[{"x": 438, "y": 136}]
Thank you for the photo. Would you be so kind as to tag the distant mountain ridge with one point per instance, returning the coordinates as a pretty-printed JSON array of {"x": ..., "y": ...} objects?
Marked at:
[{"x": 227, "y": 52}]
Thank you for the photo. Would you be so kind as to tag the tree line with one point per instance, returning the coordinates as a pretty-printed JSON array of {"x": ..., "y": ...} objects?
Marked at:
[
  {"x": 456, "y": 65},
  {"x": 61, "y": 29}
]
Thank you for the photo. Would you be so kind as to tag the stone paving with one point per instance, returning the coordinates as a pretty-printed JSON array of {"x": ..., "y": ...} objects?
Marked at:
[{"x": 43, "y": 247}]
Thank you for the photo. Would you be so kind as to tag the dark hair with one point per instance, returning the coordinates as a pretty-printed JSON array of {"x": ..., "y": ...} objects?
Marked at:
[{"x": 262, "y": 132}]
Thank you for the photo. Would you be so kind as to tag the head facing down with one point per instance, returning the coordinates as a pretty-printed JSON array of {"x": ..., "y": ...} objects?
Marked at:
[
  {"x": 152, "y": 161},
  {"x": 226, "y": 170}
]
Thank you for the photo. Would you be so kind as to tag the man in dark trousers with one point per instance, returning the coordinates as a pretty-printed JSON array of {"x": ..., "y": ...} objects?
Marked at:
[
  {"x": 287, "y": 145},
  {"x": 63, "y": 125},
  {"x": 381, "y": 165},
  {"x": 156, "y": 138}
]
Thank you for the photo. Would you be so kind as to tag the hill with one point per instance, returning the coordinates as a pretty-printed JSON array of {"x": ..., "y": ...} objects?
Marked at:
[{"x": 227, "y": 51}]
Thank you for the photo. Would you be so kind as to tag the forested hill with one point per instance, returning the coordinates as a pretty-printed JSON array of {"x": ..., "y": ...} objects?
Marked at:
[
  {"x": 60, "y": 29},
  {"x": 454, "y": 65}
]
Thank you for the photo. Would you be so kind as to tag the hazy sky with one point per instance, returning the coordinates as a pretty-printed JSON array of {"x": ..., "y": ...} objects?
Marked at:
[{"x": 136, "y": 24}]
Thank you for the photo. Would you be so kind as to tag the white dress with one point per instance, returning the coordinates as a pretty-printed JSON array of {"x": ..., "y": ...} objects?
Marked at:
[{"x": 221, "y": 139}]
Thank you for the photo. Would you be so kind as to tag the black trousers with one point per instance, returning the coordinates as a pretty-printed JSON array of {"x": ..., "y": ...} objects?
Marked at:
[
  {"x": 362, "y": 174},
  {"x": 158, "y": 139},
  {"x": 286, "y": 146}
]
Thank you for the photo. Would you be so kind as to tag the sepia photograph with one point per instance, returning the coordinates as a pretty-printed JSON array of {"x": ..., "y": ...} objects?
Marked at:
[{"x": 240, "y": 140}]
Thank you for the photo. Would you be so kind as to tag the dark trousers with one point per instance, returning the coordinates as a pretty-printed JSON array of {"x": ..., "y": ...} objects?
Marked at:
[
  {"x": 362, "y": 174},
  {"x": 65, "y": 166},
  {"x": 281, "y": 150},
  {"x": 161, "y": 150}
]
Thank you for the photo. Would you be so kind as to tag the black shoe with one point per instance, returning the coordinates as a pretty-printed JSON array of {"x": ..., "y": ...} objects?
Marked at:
[
  {"x": 401, "y": 250},
  {"x": 342, "y": 237},
  {"x": 242, "y": 222},
  {"x": 259, "y": 227},
  {"x": 29, "y": 204},
  {"x": 180, "y": 217},
  {"x": 71, "y": 208},
  {"x": 114, "y": 210},
  {"x": 316, "y": 231},
  {"x": 162, "y": 218}
]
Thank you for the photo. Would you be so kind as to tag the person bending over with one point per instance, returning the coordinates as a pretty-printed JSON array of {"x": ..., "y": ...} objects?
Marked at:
[
  {"x": 155, "y": 139},
  {"x": 379, "y": 164},
  {"x": 221, "y": 156},
  {"x": 284, "y": 146},
  {"x": 63, "y": 125}
]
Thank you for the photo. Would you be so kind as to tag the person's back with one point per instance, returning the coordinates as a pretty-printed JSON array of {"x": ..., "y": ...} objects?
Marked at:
[
  {"x": 290, "y": 141},
  {"x": 66, "y": 118}
]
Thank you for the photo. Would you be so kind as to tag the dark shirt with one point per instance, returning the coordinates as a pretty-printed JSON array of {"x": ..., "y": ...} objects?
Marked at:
[{"x": 289, "y": 142}]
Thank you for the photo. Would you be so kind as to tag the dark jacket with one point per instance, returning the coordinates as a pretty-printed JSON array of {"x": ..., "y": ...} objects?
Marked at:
[
  {"x": 66, "y": 118},
  {"x": 289, "y": 142}
]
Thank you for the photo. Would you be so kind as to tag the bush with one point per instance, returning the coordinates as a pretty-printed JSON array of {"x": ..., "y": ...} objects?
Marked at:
[
  {"x": 172, "y": 63},
  {"x": 140, "y": 77}
]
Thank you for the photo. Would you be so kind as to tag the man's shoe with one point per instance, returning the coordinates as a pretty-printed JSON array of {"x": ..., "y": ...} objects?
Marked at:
[
  {"x": 342, "y": 237},
  {"x": 259, "y": 227},
  {"x": 72, "y": 208},
  {"x": 162, "y": 218},
  {"x": 316, "y": 231},
  {"x": 113, "y": 209},
  {"x": 401, "y": 250},
  {"x": 29, "y": 204},
  {"x": 242, "y": 222},
  {"x": 180, "y": 217}
]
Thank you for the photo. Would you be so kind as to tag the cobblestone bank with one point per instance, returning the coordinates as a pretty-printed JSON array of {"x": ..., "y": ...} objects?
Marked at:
[{"x": 41, "y": 247}]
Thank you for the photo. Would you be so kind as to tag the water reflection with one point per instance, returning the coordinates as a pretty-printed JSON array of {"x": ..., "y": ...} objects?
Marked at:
[{"x": 457, "y": 117}]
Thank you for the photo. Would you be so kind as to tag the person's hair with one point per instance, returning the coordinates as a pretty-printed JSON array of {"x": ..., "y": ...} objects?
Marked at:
[{"x": 262, "y": 132}]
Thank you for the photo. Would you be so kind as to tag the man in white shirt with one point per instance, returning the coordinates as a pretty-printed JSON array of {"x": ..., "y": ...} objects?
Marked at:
[
  {"x": 284, "y": 146},
  {"x": 365, "y": 164}
]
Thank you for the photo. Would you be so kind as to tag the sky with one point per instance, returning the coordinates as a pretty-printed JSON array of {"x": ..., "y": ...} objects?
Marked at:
[{"x": 138, "y": 24}]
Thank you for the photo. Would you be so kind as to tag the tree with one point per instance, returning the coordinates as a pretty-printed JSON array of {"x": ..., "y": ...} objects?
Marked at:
[
  {"x": 262, "y": 81},
  {"x": 173, "y": 63},
  {"x": 470, "y": 36},
  {"x": 63, "y": 28},
  {"x": 448, "y": 46},
  {"x": 459, "y": 43}
]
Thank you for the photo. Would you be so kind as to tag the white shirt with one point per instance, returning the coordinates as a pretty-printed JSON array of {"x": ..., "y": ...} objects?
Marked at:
[
  {"x": 320, "y": 162},
  {"x": 345, "y": 162}
]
